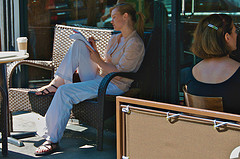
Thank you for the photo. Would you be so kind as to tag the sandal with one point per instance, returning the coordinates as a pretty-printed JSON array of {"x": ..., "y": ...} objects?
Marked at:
[
  {"x": 43, "y": 92},
  {"x": 46, "y": 148}
]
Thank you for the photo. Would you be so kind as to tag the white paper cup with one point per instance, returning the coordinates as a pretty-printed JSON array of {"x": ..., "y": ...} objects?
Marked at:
[{"x": 22, "y": 45}]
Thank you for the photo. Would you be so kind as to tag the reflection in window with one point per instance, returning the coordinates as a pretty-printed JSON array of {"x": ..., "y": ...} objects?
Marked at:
[
  {"x": 193, "y": 11},
  {"x": 43, "y": 15}
]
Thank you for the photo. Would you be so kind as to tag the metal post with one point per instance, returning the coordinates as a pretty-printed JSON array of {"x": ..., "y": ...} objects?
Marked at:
[
  {"x": 160, "y": 21},
  {"x": 9, "y": 25},
  {"x": 3, "y": 25},
  {"x": 174, "y": 52},
  {"x": 4, "y": 109}
]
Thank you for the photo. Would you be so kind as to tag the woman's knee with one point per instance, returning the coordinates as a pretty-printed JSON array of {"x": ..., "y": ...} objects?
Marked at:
[
  {"x": 65, "y": 94},
  {"x": 64, "y": 90},
  {"x": 78, "y": 43}
]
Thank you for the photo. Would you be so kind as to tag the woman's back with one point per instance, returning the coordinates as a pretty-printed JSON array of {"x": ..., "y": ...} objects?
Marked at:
[{"x": 217, "y": 77}]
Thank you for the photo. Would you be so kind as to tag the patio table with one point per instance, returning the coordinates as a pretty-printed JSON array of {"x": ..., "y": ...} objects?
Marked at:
[{"x": 6, "y": 57}]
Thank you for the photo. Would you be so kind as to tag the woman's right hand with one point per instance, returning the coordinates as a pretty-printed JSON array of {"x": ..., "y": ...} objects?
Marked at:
[
  {"x": 91, "y": 40},
  {"x": 94, "y": 55}
]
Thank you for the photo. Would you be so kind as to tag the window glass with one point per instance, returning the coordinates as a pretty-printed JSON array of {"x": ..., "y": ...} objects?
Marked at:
[
  {"x": 192, "y": 12},
  {"x": 43, "y": 15}
]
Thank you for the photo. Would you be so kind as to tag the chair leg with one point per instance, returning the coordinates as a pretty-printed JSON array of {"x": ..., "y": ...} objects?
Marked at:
[
  {"x": 100, "y": 139},
  {"x": 10, "y": 122}
]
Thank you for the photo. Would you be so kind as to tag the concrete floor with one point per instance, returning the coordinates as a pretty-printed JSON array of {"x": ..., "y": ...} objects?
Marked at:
[{"x": 78, "y": 140}]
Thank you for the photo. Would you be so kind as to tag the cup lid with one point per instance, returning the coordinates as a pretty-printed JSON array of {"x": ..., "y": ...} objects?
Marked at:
[{"x": 22, "y": 39}]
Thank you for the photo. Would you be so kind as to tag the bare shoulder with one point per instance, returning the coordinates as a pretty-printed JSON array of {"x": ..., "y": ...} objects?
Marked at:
[
  {"x": 215, "y": 71},
  {"x": 235, "y": 63}
]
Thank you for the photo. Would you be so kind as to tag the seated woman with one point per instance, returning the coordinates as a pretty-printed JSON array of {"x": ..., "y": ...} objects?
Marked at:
[
  {"x": 124, "y": 53},
  {"x": 217, "y": 75}
]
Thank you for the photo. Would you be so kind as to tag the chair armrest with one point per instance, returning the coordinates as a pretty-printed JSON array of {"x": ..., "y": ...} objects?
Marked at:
[
  {"x": 47, "y": 65},
  {"x": 106, "y": 80}
]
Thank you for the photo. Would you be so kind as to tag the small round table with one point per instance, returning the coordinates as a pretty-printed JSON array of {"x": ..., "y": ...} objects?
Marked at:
[{"x": 6, "y": 57}]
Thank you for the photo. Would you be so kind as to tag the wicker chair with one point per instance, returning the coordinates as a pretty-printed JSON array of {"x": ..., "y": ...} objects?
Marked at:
[
  {"x": 92, "y": 112},
  {"x": 62, "y": 42}
]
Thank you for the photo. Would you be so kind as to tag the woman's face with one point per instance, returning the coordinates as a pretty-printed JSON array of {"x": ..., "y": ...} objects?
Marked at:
[
  {"x": 117, "y": 20},
  {"x": 232, "y": 42}
]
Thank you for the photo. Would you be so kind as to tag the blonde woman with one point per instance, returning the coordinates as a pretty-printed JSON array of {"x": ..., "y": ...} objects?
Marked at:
[{"x": 124, "y": 53}]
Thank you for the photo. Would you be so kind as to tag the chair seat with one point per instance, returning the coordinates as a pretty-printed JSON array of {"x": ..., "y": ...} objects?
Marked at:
[
  {"x": 22, "y": 99},
  {"x": 19, "y": 99}
]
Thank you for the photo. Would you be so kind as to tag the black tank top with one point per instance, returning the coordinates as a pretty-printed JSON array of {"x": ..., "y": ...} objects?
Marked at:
[{"x": 229, "y": 90}]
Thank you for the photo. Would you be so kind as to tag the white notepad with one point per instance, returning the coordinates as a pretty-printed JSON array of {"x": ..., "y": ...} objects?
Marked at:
[{"x": 78, "y": 35}]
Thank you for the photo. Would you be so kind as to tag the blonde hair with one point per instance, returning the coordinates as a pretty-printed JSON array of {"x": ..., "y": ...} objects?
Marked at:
[{"x": 128, "y": 8}]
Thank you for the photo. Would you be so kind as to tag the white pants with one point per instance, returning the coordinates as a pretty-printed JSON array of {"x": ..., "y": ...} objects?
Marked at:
[{"x": 70, "y": 93}]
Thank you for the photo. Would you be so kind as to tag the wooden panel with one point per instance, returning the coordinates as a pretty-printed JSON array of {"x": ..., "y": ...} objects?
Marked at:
[
  {"x": 145, "y": 133},
  {"x": 151, "y": 136}
]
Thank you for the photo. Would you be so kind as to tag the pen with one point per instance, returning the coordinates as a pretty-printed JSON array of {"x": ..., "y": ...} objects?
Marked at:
[{"x": 95, "y": 40}]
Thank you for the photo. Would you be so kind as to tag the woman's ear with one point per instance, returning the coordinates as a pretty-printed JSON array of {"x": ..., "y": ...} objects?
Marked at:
[
  {"x": 227, "y": 37},
  {"x": 125, "y": 15}
]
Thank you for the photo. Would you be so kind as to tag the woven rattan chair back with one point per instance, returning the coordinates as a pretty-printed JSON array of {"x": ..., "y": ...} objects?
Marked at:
[
  {"x": 62, "y": 42},
  {"x": 210, "y": 103}
]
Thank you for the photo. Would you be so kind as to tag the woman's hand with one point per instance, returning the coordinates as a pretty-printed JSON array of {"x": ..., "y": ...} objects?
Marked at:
[
  {"x": 95, "y": 57},
  {"x": 91, "y": 40}
]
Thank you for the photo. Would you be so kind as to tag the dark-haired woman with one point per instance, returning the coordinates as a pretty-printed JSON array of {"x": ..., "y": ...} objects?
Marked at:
[{"x": 217, "y": 75}]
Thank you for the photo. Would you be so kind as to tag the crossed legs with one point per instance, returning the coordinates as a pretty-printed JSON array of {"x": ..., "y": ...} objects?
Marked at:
[{"x": 76, "y": 58}]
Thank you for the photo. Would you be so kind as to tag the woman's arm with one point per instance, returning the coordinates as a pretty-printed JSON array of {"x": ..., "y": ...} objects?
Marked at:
[
  {"x": 95, "y": 57},
  {"x": 133, "y": 55},
  {"x": 129, "y": 61},
  {"x": 106, "y": 66}
]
